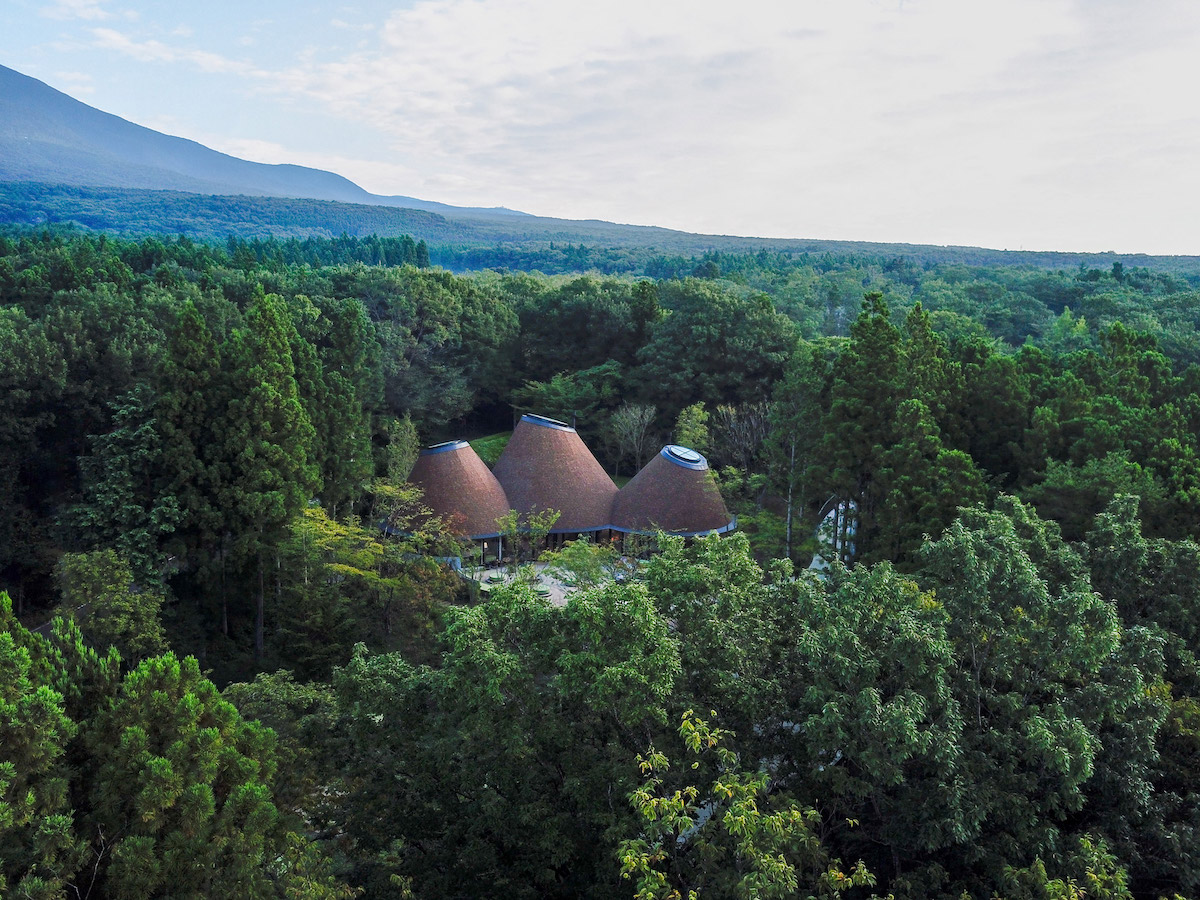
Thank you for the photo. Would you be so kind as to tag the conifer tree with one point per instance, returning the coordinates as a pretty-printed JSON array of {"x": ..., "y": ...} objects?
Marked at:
[
  {"x": 353, "y": 390},
  {"x": 119, "y": 613},
  {"x": 188, "y": 401},
  {"x": 867, "y": 386},
  {"x": 266, "y": 441},
  {"x": 122, "y": 505},
  {"x": 39, "y": 849},
  {"x": 169, "y": 791}
]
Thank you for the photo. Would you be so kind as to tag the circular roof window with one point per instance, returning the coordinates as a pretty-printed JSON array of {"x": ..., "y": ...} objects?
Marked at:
[
  {"x": 443, "y": 447},
  {"x": 684, "y": 456},
  {"x": 546, "y": 422}
]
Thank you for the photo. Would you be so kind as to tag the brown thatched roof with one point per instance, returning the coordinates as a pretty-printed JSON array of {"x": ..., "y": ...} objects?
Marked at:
[
  {"x": 460, "y": 489},
  {"x": 546, "y": 465},
  {"x": 675, "y": 492}
]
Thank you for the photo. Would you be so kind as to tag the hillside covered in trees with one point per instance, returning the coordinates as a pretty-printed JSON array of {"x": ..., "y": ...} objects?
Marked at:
[
  {"x": 472, "y": 238},
  {"x": 249, "y": 690}
]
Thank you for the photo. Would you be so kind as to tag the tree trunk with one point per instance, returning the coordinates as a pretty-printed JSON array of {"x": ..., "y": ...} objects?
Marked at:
[
  {"x": 224, "y": 594},
  {"x": 258, "y": 617},
  {"x": 787, "y": 540},
  {"x": 278, "y": 593}
]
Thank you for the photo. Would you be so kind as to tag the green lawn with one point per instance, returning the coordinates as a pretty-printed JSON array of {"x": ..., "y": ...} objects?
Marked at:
[{"x": 489, "y": 448}]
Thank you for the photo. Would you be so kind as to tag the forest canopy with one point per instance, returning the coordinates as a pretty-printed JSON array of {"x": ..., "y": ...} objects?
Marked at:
[{"x": 222, "y": 677}]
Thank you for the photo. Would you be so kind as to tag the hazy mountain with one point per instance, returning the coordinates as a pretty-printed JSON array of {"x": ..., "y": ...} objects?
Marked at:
[
  {"x": 47, "y": 136},
  {"x": 470, "y": 240},
  {"x": 62, "y": 161}
]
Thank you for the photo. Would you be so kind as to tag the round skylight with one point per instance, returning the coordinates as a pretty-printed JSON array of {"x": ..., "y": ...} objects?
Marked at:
[{"x": 687, "y": 454}]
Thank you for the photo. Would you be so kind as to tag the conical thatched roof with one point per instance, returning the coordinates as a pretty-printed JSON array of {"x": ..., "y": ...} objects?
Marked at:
[
  {"x": 675, "y": 492},
  {"x": 546, "y": 465},
  {"x": 460, "y": 489}
]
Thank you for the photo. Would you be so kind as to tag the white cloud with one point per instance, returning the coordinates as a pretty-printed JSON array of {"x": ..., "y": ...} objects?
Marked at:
[
  {"x": 64, "y": 10},
  {"x": 274, "y": 153},
  {"x": 577, "y": 106},
  {"x": 157, "y": 51},
  {"x": 75, "y": 83},
  {"x": 1053, "y": 123}
]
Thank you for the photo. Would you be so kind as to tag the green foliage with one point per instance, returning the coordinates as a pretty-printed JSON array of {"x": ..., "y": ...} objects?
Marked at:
[
  {"x": 511, "y": 749},
  {"x": 586, "y": 398},
  {"x": 1073, "y": 495},
  {"x": 712, "y": 591},
  {"x": 890, "y": 459},
  {"x": 730, "y": 838},
  {"x": 186, "y": 415},
  {"x": 39, "y": 848},
  {"x": 267, "y": 440},
  {"x": 687, "y": 358},
  {"x": 1043, "y": 675},
  {"x": 115, "y": 611},
  {"x": 403, "y": 448},
  {"x": 1091, "y": 872},
  {"x": 341, "y": 583},
  {"x": 1153, "y": 584},
  {"x": 868, "y": 722},
  {"x": 168, "y": 790},
  {"x": 303, "y": 717},
  {"x": 585, "y": 565},
  {"x": 792, "y": 442},
  {"x": 691, "y": 428},
  {"x": 489, "y": 448},
  {"x": 170, "y": 410},
  {"x": 180, "y": 800},
  {"x": 121, "y": 507}
]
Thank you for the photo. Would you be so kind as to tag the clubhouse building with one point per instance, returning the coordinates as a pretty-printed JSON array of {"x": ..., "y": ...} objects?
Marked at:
[{"x": 546, "y": 466}]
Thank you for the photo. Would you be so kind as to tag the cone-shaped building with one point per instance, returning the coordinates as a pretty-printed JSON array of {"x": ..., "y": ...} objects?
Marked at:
[
  {"x": 675, "y": 492},
  {"x": 546, "y": 465},
  {"x": 460, "y": 488}
]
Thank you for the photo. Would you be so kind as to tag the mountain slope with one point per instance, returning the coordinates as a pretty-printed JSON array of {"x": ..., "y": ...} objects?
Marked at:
[
  {"x": 47, "y": 136},
  {"x": 62, "y": 161},
  {"x": 135, "y": 213}
]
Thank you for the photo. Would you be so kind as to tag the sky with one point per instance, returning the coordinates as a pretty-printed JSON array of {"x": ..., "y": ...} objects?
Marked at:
[{"x": 1018, "y": 124}]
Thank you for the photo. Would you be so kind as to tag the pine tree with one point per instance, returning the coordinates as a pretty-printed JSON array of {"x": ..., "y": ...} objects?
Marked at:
[{"x": 39, "y": 848}]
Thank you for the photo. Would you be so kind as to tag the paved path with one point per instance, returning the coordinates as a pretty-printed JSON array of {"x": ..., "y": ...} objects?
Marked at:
[{"x": 557, "y": 592}]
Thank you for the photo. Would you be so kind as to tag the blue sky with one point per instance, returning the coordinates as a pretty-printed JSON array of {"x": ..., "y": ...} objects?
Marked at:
[{"x": 1042, "y": 124}]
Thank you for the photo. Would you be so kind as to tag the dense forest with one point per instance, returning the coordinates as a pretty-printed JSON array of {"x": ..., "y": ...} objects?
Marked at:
[
  {"x": 470, "y": 238},
  {"x": 221, "y": 676}
]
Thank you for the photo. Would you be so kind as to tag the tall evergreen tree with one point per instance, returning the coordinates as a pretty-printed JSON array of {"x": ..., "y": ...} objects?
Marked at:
[
  {"x": 266, "y": 441},
  {"x": 353, "y": 391},
  {"x": 122, "y": 506},
  {"x": 185, "y": 411},
  {"x": 868, "y": 383}
]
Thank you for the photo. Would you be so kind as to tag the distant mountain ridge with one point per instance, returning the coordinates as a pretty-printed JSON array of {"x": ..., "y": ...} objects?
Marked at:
[
  {"x": 63, "y": 162},
  {"x": 47, "y": 136},
  {"x": 133, "y": 212}
]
